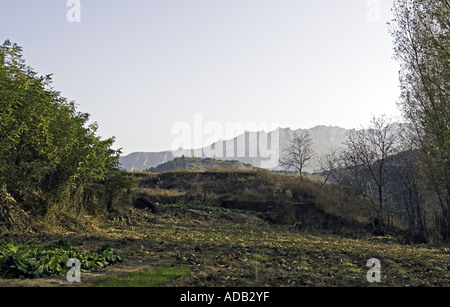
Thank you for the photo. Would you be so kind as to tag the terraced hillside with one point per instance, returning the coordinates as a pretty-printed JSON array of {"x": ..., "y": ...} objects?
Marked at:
[{"x": 278, "y": 199}]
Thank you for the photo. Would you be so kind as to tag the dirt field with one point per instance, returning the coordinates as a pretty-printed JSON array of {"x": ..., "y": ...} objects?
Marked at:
[{"x": 240, "y": 250}]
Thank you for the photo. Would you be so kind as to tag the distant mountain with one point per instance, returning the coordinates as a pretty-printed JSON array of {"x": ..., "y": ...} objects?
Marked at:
[
  {"x": 140, "y": 161},
  {"x": 259, "y": 149}
]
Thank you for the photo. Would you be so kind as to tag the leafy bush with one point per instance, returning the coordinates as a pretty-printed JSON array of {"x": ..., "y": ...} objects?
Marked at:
[
  {"x": 49, "y": 151},
  {"x": 29, "y": 260}
]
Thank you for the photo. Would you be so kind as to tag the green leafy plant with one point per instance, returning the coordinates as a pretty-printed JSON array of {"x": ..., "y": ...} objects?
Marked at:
[{"x": 18, "y": 260}]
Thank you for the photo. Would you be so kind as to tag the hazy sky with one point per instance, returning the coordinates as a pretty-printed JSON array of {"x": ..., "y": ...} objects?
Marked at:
[{"x": 140, "y": 66}]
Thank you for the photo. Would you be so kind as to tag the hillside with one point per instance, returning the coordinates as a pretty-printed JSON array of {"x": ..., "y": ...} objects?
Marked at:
[
  {"x": 236, "y": 229},
  {"x": 278, "y": 199},
  {"x": 199, "y": 164},
  {"x": 247, "y": 148}
]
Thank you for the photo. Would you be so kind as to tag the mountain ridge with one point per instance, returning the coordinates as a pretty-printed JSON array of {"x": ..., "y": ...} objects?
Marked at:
[{"x": 254, "y": 148}]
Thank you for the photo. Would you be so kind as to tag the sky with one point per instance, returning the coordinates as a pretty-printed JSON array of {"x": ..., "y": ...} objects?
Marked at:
[{"x": 142, "y": 67}]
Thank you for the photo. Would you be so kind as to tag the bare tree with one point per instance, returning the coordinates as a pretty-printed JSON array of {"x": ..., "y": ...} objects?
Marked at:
[
  {"x": 299, "y": 153},
  {"x": 368, "y": 156},
  {"x": 329, "y": 165}
]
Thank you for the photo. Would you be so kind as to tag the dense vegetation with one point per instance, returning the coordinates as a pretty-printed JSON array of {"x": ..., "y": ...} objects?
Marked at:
[{"x": 50, "y": 154}]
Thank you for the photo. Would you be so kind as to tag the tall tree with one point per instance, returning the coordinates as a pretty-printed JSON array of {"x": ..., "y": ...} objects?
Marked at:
[{"x": 421, "y": 33}]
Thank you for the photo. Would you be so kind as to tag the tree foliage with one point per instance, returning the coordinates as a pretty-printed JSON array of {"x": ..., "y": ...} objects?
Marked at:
[
  {"x": 421, "y": 33},
  {"x": 47, "y": 147}
]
